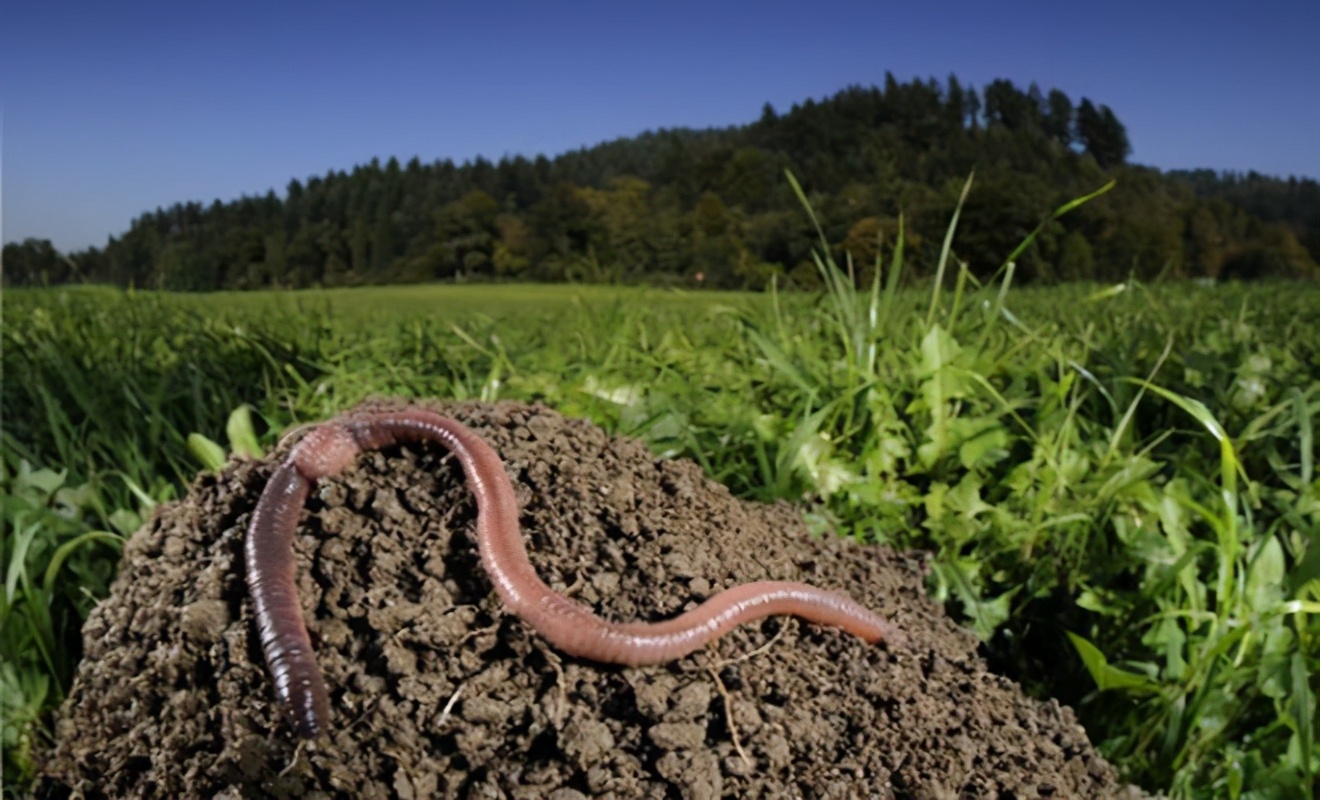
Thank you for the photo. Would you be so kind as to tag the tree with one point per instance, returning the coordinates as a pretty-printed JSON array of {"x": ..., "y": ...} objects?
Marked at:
[
  {"x": 382, "y": 241},
  {"x": 1059, "y": 117},
  {"x": 714, "y": 241},
  {"x": 750, "y": 179},
  {"x": 466, "y": 231},
  {"x": 1076, "y": 261},
  {"x": 276, "y": 261},
  {"x": 512, "y": 251},
  {"x": 359, "y": 249},
  {"x": 304, "y": 260},
  {"x": 1102, "y": 135},
  {"x": 972, "y": 107},
  {"x": 1006, "y": 105},
  {"x": 1036, "y": 107},
  {"x": 36, "y": 262},
  {"x": 955, "y": 105},
  {"x": 293, "y": 205}
]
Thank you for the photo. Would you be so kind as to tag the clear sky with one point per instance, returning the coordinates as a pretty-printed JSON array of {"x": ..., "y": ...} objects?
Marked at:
[{"x": 111, "y": 109}]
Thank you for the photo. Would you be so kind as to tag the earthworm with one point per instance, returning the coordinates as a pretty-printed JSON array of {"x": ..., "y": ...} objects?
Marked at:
[{"x": 570, "y": 626}]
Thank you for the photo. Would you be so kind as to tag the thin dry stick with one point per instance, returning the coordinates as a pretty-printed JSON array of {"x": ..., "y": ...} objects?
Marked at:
[
  {"x": 758, "y": 651},
  {"x": 297, "y": 754},
  {"x": 724, "y": 693},
  {"x": 453, "y": 698},
  {"x": 367, "y": 709},
  {"x": 558, "y": 711},
  {"x": 479, "y": 632},
  {"x": 292, "y": 432},
  {"x": 401, "y": 763},
  {"x": 728, "y": 716}
]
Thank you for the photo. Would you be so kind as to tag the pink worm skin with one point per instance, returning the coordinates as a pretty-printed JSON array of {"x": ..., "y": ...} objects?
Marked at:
[{"x": 568, "y": 625}]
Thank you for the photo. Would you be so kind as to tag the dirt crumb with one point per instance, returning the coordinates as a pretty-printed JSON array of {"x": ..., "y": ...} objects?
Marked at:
[{"x": 437, "y": 692}]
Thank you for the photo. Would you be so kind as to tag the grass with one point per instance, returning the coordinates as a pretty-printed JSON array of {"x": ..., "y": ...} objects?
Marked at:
[{"x": 1117, "y": 482}]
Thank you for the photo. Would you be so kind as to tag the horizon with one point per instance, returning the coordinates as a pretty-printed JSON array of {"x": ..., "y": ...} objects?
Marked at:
[{"x": 113, "y": 112}]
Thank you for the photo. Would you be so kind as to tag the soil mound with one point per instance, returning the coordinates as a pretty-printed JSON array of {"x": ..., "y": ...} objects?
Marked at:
[{"x": 437, "y": 692}]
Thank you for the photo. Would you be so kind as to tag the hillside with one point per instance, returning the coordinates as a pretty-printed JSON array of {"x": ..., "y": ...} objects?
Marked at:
[{"x": 712, "y": 207}]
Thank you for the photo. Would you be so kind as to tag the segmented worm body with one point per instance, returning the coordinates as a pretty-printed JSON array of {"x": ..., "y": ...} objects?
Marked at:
[{"x": 568, "y": 625}]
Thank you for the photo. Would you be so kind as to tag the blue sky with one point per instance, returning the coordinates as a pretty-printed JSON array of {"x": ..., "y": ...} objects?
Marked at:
[{"x": 112, "y": 109}]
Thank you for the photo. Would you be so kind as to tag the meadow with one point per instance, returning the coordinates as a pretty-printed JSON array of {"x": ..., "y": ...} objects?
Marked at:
[{"x": 1116, "y": 483}]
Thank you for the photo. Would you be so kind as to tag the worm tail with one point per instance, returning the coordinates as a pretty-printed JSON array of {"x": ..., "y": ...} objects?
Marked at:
[
  {"x": 579, "y": 632},
  {"x": 268, "y": 552}
]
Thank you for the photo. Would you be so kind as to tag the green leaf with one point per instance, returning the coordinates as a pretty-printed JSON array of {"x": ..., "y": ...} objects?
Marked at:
[
  {"x": 986, "y": 614},
  {"x": 44, "y": 481},
  {"x": 206, "y": 451},
  {"x": 1105, "y": 676},
  {"x": 1265, "y": 580},
  {"x": 989, "y": 615},
  {"x": 1105, "y": 293},
  {"x": 242, "y": 436},
  {"x": 1273, "y": 676},
  {"x": 57, "y": 561},
  {"x": 1302, "y": 710},
  {"x": 941, "y": 386},
  {"x": 987, "y": 447},
  {"x": 148, "y": 502},
  {"x": 938, "y": 350},
  {"x": 126, "y": 521},
  {"x": 22, "y": 539}
]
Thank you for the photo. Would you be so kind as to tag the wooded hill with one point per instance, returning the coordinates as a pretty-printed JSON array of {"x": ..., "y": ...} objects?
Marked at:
[{"x": 713, "y": 208}]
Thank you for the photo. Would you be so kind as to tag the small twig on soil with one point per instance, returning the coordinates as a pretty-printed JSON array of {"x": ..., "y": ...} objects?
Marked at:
[
  {"x": 758, "y": 651},
  {"x": 297, "y": 754},
  {"x": 449, "y": 706},
  {"x": 367, "y": 708},
  {"x": 728, "y": 715},
  {"x": 479, "y": 632},
  {"x": 402, "y": 764},
  {"x": 292, "y": 432},
  {"x": 572, "y": 589},
  {"x": 558, "y": 711}
]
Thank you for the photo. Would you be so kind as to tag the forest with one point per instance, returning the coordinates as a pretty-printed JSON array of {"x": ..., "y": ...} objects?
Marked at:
[{"x": 713, "y": 208}]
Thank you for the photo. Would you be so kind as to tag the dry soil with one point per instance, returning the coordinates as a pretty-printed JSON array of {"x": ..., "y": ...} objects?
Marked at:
[{"x": 438, "y": 692}]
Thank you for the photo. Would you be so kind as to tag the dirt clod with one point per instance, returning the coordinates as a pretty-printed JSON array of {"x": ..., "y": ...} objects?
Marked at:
[{"x": 437, "y": 692}]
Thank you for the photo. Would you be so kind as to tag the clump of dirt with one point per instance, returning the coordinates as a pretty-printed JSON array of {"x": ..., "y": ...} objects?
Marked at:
[{"x": 438, "y": 692}]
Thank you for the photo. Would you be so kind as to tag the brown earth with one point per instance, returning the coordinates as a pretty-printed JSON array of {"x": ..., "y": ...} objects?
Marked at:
[{"x": 437, "y": 692}]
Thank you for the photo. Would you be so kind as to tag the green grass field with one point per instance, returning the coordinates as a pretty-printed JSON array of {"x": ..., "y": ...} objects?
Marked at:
[{"x": 1117, "y": 482}]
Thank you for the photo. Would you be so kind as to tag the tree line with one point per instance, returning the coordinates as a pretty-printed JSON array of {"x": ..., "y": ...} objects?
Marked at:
[{"x": 712, "y": 208}]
